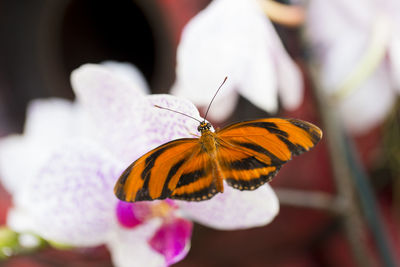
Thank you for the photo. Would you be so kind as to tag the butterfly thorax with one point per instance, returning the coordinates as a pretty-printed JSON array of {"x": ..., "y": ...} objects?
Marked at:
[{"x": 208, "y": 143}]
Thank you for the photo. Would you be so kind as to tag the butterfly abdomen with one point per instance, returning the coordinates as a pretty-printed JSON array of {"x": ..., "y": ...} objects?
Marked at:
[{"x": 209, "y": 144}]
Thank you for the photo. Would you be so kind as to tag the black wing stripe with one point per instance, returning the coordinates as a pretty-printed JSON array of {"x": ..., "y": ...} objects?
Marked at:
[
  {"x": 249, "y": 163},
  {"x": 269, "y": 126},
  {"x": 143, "y": 193},
  {"x": 191, "y": 177},
  {"x": 252, "y": 146},
  {"x": 172, "y": 171},
  {"x": 296, "y": 149}
]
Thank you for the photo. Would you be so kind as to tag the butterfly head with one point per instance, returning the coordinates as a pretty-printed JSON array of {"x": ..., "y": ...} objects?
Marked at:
[{"x": 204, "y": 126}]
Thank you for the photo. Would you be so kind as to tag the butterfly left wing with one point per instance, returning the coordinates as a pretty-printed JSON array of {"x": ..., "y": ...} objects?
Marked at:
[
  {"x": 252, "y": 152},
  {"x": 156, "y": 173},
  {"x": 179, "y": 169}
]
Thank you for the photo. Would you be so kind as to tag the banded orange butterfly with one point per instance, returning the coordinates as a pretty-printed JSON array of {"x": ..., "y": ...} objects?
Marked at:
[{"x": 245, "y": 155}]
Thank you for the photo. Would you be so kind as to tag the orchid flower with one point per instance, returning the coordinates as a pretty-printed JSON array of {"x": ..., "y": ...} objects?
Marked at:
[
  {"x": 234, "y": 38},
  {"x": 356, "y": 45},
  {"x": 61, "y": 172}
]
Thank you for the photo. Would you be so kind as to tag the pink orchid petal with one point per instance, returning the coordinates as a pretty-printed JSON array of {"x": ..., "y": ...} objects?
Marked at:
[
  {"x": 132, "y": 214},
  {"x": 172, "y": 240},
  {"x": 71, "y": 199},
  {"x": 235, "y": 209}
]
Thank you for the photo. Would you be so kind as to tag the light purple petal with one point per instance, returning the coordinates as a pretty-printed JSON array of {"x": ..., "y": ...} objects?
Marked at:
[
  {"x": 130, "y": 248},
  {"x": 48, "y": 123},
  {"x": 164, "y": 125},
  {"x": 116, "y": 106},
  {"x": 172, "y": 239},
  {"x": 234, "y": 209},
  {"x": 71, "y": 199}
]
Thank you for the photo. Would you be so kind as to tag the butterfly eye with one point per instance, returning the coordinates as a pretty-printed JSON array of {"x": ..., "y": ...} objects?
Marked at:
[{"x": 199, "y": 128}]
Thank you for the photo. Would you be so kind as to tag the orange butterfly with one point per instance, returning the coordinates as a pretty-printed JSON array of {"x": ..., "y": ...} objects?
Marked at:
[{"x": 246, "y": 155}]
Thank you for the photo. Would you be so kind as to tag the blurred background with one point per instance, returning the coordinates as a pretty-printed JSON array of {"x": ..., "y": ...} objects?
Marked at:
[{"x": 42, "y": 41}]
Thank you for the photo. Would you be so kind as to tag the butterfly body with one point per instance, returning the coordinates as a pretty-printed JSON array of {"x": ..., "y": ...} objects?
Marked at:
[{"x": 245, "y": 155}]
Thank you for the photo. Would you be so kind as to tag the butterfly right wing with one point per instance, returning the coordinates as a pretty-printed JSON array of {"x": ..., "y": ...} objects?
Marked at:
[{"x": 252, "y": 152}]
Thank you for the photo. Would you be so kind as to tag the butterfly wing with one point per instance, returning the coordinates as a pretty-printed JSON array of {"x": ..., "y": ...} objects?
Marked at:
[
  {"x": 197, "y": 178},
  {"x": 179, "y": 169},
  {"x": 156, "y": 173},
  {"x": 252, "y": 152}
]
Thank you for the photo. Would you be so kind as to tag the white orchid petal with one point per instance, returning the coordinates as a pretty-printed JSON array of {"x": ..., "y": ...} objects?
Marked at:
[
  {"x": 49, "y": 120},
  {"x": 71, "y": 199},
  {"x": 223, "y": 106},
  {"x": 20, "y": 220},
  {"x": 394, "y": 52},
  {"x": 234, "y": 39},
  {"x": 130, "y": 248},
  {"x": 129, "y": 72},
  {"x": 235, "y": 209},
  {"x": 17, "y": 162},
  {"x": 289, "y": 77}
]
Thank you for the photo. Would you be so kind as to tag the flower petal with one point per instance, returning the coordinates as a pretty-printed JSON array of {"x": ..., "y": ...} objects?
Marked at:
[
  {"x": 48, "y": 122},
  {"x": 360, "y": 111},
  {"x": 15, "y": 152},
  {"x": 228, "y": 38},
  {"x": 163, "y": 125},
  {"x": 71, "y": 199},
  {"x": 116, "y": 105},
  {"x": 130, "y": 248},
  {"x": 235, "y": 209},
  {"x": 172, "y": 239},
  {"x": 129, "y": 72},
  {"x": 132, "y": 214},
  {"x": 394, "y": 53}
]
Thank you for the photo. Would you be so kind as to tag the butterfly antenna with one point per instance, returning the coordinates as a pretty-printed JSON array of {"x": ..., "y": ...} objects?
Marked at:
[
  {"x": 157, "y": 106},
  {"x": 209, "y": 105}
]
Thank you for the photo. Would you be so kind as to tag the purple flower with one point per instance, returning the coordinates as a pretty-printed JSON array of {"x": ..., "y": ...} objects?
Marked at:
[{"x": 62, "y": 170}]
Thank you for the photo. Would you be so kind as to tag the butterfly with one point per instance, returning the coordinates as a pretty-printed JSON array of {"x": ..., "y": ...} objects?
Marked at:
[{"x": 245, "y": 155}]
